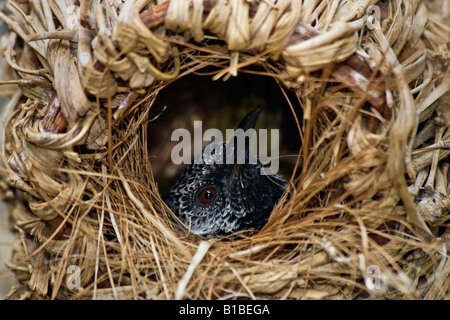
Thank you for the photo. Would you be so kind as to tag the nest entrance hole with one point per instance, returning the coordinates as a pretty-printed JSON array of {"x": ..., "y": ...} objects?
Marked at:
[{"x": 220, "y": 104}]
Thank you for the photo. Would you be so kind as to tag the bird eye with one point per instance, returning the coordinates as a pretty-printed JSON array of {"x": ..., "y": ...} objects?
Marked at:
[{"x": 207, "y": 195}]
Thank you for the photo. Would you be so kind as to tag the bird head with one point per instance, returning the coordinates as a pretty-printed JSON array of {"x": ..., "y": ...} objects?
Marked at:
[{"x": 224, "y": 190}]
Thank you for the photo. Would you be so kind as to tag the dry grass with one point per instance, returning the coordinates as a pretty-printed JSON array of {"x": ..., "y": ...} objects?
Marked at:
[{"x": 375, "y": 134}]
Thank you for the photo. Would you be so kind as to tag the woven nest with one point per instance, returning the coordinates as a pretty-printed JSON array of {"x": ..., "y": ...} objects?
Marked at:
[{"x": 368, "y": 211}]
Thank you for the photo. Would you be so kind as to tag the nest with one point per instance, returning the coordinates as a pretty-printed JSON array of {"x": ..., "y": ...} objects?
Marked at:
[{"x": 368, "y": 211}]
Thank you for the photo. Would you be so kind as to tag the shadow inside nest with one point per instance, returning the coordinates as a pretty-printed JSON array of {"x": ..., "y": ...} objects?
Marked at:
[
  {"x": 221, "y": 105},
  {"x": 195, "y": 100}
]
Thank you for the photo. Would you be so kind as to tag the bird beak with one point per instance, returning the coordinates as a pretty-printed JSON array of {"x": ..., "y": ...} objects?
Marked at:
[{"x": 247, "y": 123}]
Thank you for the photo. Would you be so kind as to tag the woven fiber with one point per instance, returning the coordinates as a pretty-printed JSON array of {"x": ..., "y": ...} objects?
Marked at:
[{"x": 368, "y": 211}]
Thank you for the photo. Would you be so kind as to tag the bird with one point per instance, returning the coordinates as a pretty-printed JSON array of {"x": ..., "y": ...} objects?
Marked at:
[{"x": 218, "y": 195}]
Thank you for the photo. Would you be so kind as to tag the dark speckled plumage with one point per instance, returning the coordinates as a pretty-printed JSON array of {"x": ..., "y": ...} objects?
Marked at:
[{"x": 243, "y": 198}]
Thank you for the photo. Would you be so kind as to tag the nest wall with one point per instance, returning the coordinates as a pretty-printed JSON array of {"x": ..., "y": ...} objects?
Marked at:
[{"x": 368, "y": 211}]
